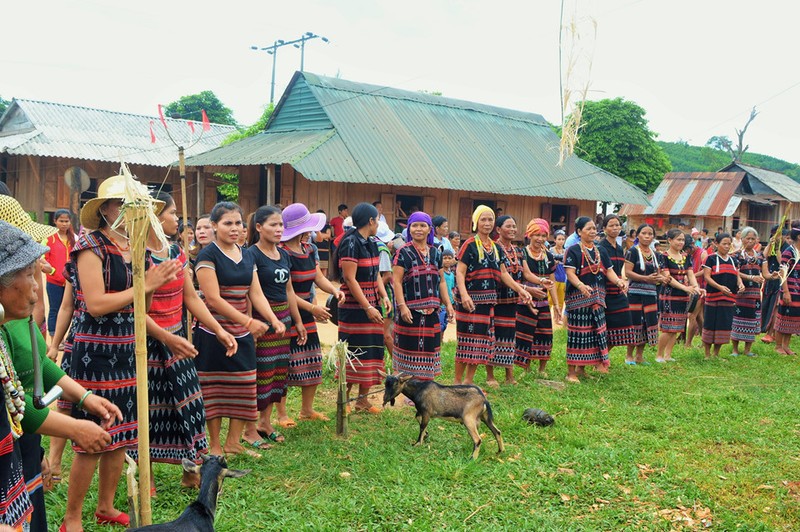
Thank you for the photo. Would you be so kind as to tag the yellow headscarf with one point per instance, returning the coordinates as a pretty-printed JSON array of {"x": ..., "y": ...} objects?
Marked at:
[{"x": 476, "y": 215}]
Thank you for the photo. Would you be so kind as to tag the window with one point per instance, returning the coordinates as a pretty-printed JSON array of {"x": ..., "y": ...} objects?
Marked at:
[{"x": 404, "y": 206}]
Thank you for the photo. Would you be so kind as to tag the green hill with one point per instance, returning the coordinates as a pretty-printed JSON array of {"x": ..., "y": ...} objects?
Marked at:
[{"x": 685, "y": 158}]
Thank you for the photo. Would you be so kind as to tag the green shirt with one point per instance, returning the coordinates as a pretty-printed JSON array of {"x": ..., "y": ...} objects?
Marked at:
[{"x": 16, "y": 335}]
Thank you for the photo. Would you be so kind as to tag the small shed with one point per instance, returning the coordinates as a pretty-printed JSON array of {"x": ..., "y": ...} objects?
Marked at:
[
  {"x": 333, "y": 141},
  {"x": 39, "y": 141},
  {"x": 736, "y": 196}
]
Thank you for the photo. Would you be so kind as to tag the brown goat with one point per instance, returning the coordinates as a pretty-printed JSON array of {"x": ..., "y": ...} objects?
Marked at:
[{"x": 464, "y": 403}]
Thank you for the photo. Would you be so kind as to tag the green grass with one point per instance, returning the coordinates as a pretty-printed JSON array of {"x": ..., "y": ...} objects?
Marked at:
[{"x": 637, "y": 449}]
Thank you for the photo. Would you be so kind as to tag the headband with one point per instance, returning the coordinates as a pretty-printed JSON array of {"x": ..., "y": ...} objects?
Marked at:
[{"x": 419, "y": 216}]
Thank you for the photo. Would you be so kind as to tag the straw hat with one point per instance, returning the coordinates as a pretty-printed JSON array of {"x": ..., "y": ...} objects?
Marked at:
[
  {"x": 13, "y": 213},
  {"x": 111, "y": 188}
]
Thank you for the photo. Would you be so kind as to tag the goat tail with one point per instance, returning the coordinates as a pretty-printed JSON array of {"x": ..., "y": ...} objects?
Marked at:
[{"x": 487, "y": 409}]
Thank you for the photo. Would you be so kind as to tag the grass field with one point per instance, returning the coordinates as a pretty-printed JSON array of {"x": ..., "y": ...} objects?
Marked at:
[{"x": 686, "y": 445}]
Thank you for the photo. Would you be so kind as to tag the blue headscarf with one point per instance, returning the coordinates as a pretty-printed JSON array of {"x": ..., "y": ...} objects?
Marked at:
[{"x": 419, "y": 216}]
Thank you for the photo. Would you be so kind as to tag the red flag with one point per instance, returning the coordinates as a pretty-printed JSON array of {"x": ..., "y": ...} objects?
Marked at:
[
  {"x": 161, "y": 116},
  {"x": 152, "y": 134},
  {"x": 191, "y": 125},
  {"x": 206, "y": 123}
]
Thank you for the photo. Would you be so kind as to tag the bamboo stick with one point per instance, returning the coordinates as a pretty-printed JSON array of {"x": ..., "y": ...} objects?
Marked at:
[
  {"x": 341, "y": 402},
  {"x": 184, "y": 209}
]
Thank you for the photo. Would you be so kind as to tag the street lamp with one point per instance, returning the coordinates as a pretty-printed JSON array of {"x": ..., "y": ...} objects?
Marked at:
[
  {"x": 307, "y": 36},
  {"x": 273, "y": 51}
]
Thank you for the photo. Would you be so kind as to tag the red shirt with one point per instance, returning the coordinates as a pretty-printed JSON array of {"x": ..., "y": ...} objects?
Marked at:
[
  {"x": 57, "y": 258},
  {"x": 336, "y": 224}
]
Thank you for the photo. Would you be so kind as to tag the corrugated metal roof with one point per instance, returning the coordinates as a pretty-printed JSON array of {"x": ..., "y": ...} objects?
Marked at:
[
  {"x": 49, "y": 129},
  {"x": 780, "y": 183},
  {"x": 692, "y": 194},
  {"x": 395, "y": 137}
]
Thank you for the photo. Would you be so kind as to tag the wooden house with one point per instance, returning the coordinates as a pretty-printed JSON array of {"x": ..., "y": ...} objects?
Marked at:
[
  {"x": 735, "y": 197},
  {"x": 332, "y": 141},
  {"x": 40, "y": 141}
]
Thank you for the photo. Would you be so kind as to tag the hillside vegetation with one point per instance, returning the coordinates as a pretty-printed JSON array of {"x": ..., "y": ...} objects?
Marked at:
[{"x": 686, "y": 158}]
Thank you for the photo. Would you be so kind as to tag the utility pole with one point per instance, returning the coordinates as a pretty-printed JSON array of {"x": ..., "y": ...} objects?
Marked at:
[{"x": 273, "y": 51}]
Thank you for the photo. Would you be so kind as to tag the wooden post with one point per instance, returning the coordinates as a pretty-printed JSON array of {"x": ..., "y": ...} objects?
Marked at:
[
  {"x": 182, "y": 166},
  {"x": 138, "y": 226},
  {"x": 341, "y": 401}
]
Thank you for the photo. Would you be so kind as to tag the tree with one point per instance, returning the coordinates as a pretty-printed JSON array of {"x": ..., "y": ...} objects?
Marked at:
[
  {"x": 230, "y": 188},
  {"x": 614, "y": 135},
  {"x": 190, "y": 107},
  {"x": 3, "y": 105},
  {"x": 720, "y": 142}
]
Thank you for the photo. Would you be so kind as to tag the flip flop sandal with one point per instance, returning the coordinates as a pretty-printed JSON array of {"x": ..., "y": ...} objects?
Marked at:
[
  {"x": 121, "y": 519},
  {"x": 287, "y": 423},
  {"x": 261, "y": 445},
  {"x": 277, "y": 437},
  {"x": 630, "y": 362}
]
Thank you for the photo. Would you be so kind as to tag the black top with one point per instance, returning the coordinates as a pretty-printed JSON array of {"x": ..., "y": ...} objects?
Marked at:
[{"x": 273, "y": 274}]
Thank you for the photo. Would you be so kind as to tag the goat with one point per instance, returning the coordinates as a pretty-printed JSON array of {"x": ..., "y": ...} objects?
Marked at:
[
  {"x": 464, "y": 403},
  {"x": 199, "y": 515}
]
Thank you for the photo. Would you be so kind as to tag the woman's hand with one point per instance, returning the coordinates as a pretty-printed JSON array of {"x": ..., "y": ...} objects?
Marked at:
[
  {"x": 52, "y": 352},
  {"x": 228, "y": 342},
  {"x": 725, "y": 290},
  {"x": 340, "y": 296},
  {"x": 45, "y": 266},
  {"x": 557, "y": 316},
  {"x": 90, "y": 436},
  {"x": 320, "y": 313},
  {"x": 374, "y": 315},
  {"x": 547, "y": 282},
  {"x": 386, "y": 303},
  {"x": 102, "y": 408},
  {"x": 158, "y": 276},
  {"x": 180, "y": 347},
  {"x": 787, "y": 297},
  {"x": 257, "y": 328},
  {"x": 740, "y": 287},
  {"x": 302, "y": 334},
  {"x": 279, "y": 327},
  {"x": 757, "y": 279},
  {"x": 536, "y": 292},
  {"x": 585, "y": 289},
  {"x": 451, "y": 315},
  {"x": 468, "y": 304},
  {"x": 405, "y": 313}
]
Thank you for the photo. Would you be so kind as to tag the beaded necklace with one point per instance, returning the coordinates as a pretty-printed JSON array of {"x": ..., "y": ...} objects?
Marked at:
[
  {"x": 424, "y": 258},
  {"x": 541, "y": 260},
  {"x": 14, "y": 392},
  {"x": 594, "y": 263}
]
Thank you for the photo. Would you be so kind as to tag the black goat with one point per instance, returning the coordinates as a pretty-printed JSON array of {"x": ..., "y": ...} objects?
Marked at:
[
  {"x": 464, "y": 403},
  {"x": 199, "y": 515}
]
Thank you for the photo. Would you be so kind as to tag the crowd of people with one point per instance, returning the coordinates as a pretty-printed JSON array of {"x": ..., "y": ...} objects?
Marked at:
[{"x": 233, "y": 314}]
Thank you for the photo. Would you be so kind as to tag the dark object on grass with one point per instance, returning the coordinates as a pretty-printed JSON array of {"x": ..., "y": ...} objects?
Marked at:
[
  {"x": 333, "y": 308},
  {"x": 465, "y": 403},
  {"x": 199, "y": 515},
  {"x": 534, "y": 416}
]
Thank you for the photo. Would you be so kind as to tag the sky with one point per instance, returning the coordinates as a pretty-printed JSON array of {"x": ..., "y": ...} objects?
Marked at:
[{"x": 697, "y": 67}]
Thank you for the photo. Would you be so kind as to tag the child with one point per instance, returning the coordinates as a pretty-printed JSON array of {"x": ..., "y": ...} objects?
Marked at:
[
  {"x": 722, "y": 285},
  {"x": 448, "y": 263}
]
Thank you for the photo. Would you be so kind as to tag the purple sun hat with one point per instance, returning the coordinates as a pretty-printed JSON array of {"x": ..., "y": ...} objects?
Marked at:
[{"x": 297, "y": 220}]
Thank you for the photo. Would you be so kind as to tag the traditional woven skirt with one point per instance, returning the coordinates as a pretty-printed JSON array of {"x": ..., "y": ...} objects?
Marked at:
[
  {"x": 772, "y": 293},
  {"x": 644, "y": 317},
  {"x": 177, "y": 411},
  {"x": 15, "y": 503},
  {"x": 587, "y": 344},
  {"x": 30, "y": 446},
  {"x": 475, "y": 334},
  {"x": 534, "y": 338},
  {"x": 417, "y": 345},
  {"x": 305, "y": 361},
  {"x": 787, "y": 320},
  {"x": 365, "y": 339},
  {"x": 619, "y": 327},
  {"x": 747, "y": 315},
  {"x": 103, "y": 361},
  {"x": 272, "y": 360},
  {"x": 673, "y": 307},
  {"x": 717, "y": 322},
  {"x": 228, "y": 383},
  {"x": 505, "y": 331}
]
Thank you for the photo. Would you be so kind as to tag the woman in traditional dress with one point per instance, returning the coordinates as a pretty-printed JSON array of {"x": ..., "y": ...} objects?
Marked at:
[
  {"x": 505, "y": 310},
  {"x": 696, "y": 302},
  {"x": 587, "y": 270},
  {"x": 643, "y": 270},
  {"x": 673, "y": 301},
  {"x": 771, "y": 289},
  {"x": 177, "y": 411},
  {"x": 722, "y": 285},
  {"x": 228, "y": 280},
  {"x": 272, "y": 348},
  {"x": 558, "y": 251},
  {"x": 360, "y": 318},
  {"x": 305, "y": 360},
  {"x": 419, "y": 290},
  {"x": 619, "y": 327},
  {"x": 534, "y": 323},
  {"x": 747, "y": 316},
  {"x": 103, "y": 357},
  {"x": 787, "y": 320},
  {"x": 480, "y": 273}
]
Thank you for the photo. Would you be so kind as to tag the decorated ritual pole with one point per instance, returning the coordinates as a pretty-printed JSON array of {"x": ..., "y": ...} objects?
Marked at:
[{"x": 184, "y": 210}]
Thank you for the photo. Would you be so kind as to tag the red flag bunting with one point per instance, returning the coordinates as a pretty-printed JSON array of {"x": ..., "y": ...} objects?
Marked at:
[
  {"x": 161, "y": 116},
  {"x": 206, "y": 123},
  {"x": 191, "y": 125},
  {"x": 152, "y": 134}
]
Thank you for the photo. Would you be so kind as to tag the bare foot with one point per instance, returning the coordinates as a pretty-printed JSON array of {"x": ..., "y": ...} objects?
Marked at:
[
  {"x": 601, "y": 368},
  {"x": 573, "y": 379},
  {"x": 492, "y": 384}
]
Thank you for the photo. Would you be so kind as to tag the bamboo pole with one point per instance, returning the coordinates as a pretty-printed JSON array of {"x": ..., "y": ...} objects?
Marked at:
[
  {"x": 341, "y": 401},
  {"x": 138, "y": 227},
  {"x": 184, "y": 208}
]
